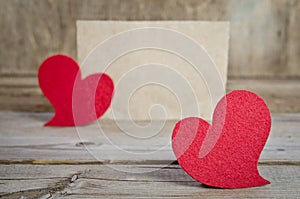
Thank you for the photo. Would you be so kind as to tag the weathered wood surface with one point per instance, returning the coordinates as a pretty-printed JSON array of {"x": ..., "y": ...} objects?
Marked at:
[
  {"x": 25, "y": 140},
  {"x": 104, "y": 181},
  {"x": 281, "y": 95},
  {"x": 23, "y": 94},
  {"x": 45, "y": 162},
  {"x": 265, "y": 39}
]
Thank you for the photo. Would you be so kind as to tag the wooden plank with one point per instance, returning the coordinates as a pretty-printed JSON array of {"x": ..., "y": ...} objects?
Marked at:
[
  {"x": 281, "y": 95},
  {"x": 20, "y": 93},
  {"x": 264, "y": 37},
  {"x": 25, "y": 140},
  {"x": 35, "y": 180},
  {"x": 105, "y": 181}
]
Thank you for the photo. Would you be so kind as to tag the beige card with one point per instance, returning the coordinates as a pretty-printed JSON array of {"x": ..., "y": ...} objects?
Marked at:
[{"x": 161, "y": 69}]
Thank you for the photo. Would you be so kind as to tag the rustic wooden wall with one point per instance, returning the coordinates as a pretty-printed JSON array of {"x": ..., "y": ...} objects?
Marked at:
[{"x": 265, "y": 39}]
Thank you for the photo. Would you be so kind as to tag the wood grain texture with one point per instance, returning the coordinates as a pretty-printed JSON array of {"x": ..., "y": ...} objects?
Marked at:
[
  {"x": 25, "y": 140},
  {"x": 263, "y": 55},
  {"x": 94, "y": 181},
  {"x": 23, "y": 94},
  {"x": 264, "y": 38},
  {"x": 43, "y": 162},
  {"x": 281, "y": 95}
]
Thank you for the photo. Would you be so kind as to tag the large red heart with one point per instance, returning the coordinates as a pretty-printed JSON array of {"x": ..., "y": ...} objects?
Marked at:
[
  {"x": 76, "y": 101},
  {"x": 225, "y": 154}
]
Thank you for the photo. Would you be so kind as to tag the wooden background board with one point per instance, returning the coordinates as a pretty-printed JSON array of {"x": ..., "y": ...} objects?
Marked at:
[
  {"x": 281, "y": 95},
  {"x": 45, "y": 162},
  {"x": 264, "y": 44},
  {"x": 265, "y": 39}
]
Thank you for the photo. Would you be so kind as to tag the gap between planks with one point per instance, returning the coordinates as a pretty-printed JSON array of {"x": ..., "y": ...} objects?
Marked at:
[{"x": 121, "y": 162}]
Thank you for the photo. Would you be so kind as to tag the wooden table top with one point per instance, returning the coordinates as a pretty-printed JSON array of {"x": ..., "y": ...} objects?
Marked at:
[{"x": 122, "y": 161}]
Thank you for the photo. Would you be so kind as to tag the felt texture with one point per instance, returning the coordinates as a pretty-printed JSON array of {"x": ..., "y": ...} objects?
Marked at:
[
  {"x": 225, "y": 154},
  {"x": 76, "y": 101}
]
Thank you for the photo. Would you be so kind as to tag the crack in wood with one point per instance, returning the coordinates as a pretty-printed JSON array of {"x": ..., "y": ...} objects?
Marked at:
[
  {"x": 56, "y": 188},
  {"x": 38, "y": 193},
  {"x": 134, "y": 180}
]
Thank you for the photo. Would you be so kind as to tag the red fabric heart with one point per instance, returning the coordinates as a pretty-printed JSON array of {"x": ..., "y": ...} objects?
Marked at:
[
  {"x": 225, "y": 154},
  {"x": 76, "y": 101}
]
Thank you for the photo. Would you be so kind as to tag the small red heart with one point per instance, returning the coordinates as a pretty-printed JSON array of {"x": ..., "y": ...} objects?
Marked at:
[
  {"x": 76, "y": 101},
  {"x": 225, "y": 154}
]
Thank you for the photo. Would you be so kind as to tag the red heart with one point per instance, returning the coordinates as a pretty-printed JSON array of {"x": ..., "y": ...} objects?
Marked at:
[
  {"x": 76, "y": 101},
  {"x": 225, "y": 154}
]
